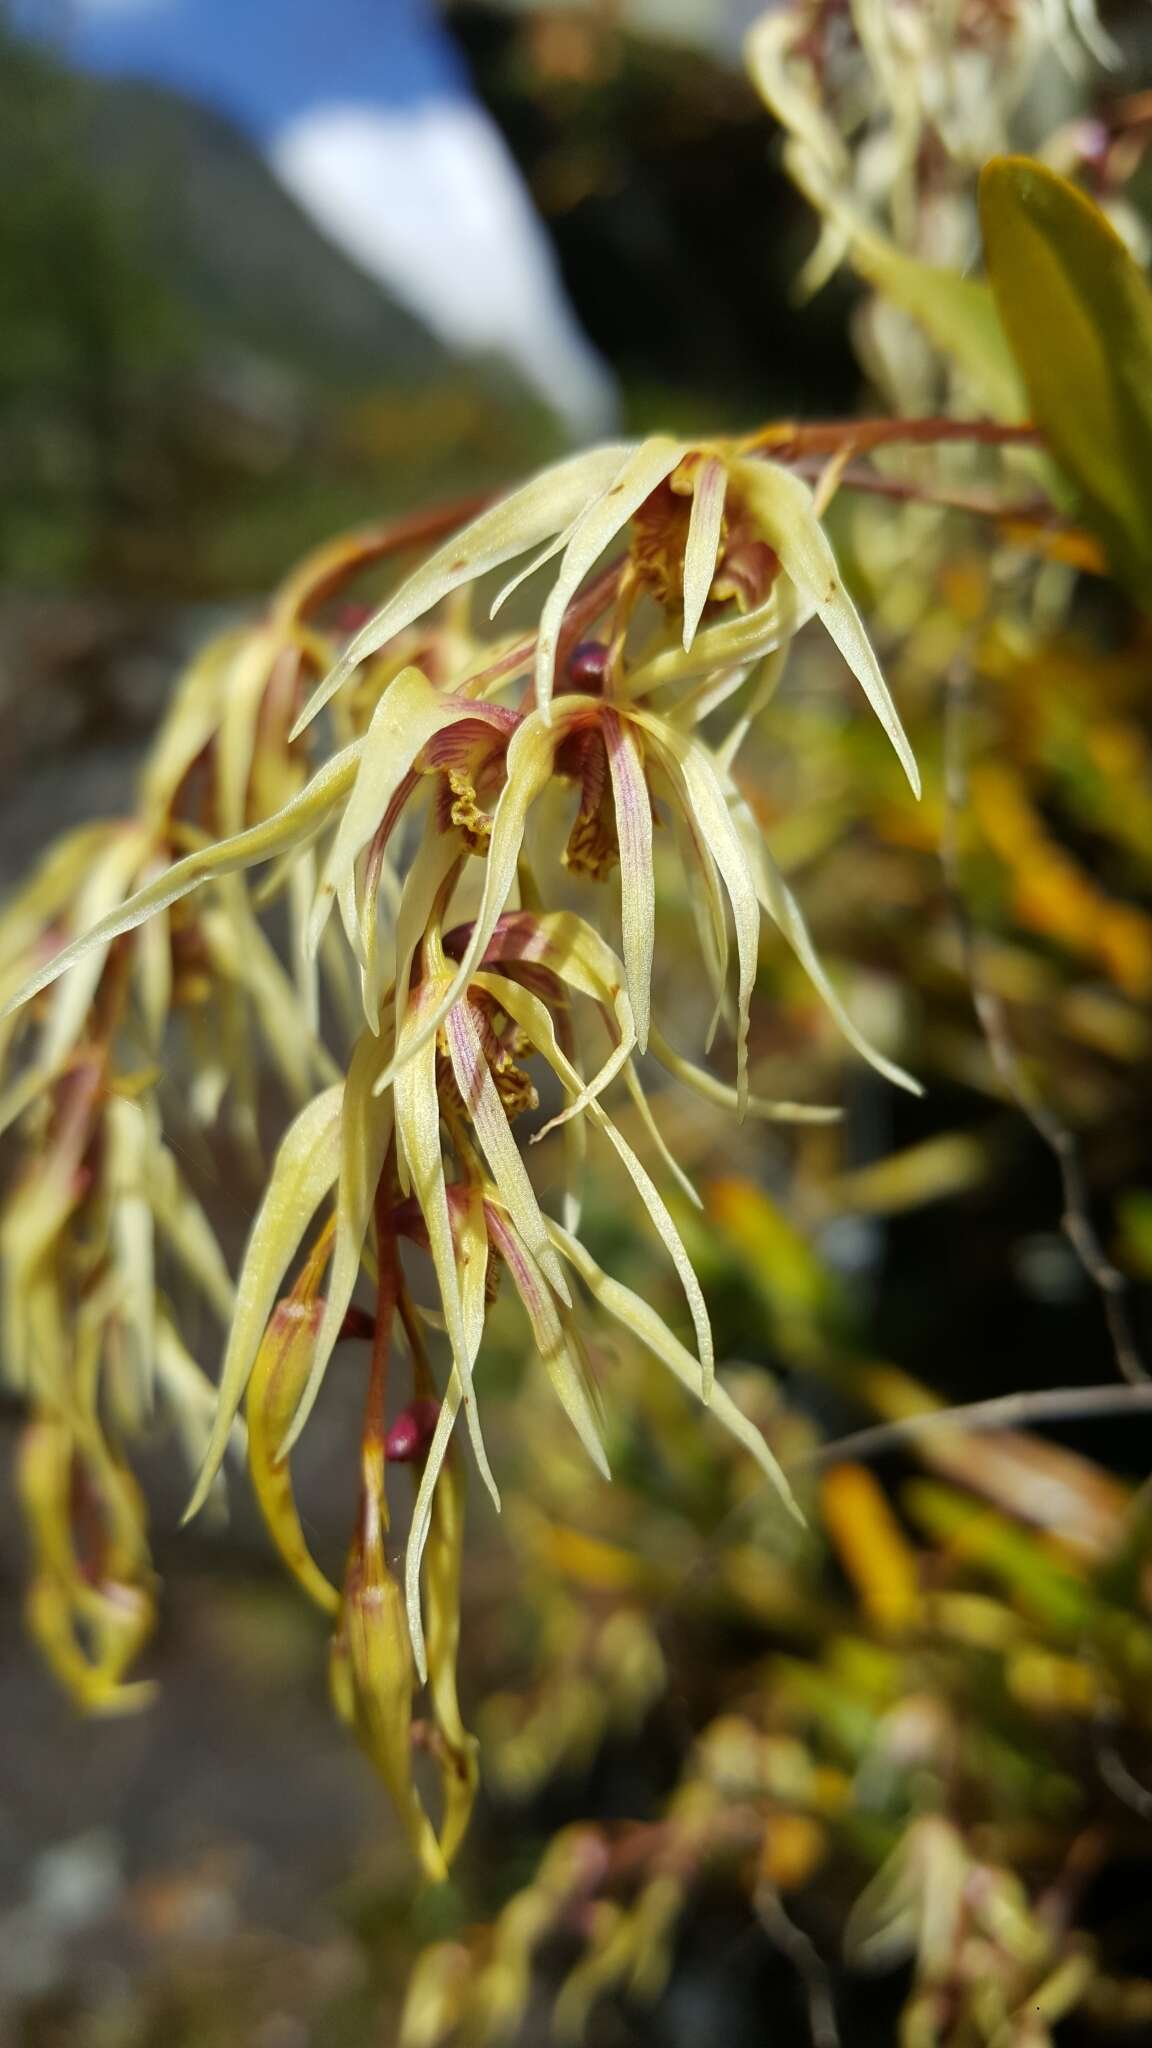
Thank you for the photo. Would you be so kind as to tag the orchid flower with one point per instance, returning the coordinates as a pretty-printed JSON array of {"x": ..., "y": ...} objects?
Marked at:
[{"x": 466, "y": 992}]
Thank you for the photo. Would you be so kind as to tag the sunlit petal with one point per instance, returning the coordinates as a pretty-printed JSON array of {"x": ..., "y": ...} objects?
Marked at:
[{"x": 703, "y": 545}]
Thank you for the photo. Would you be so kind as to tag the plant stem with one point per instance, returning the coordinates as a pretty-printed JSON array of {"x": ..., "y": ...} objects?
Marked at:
[{"x": 785, "y": 440}]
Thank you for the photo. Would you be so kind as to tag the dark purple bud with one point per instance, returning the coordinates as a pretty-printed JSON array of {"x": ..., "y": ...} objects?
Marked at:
[
  {"x": 588, "y": 665},
  {"x": 357, "y": 1323},
  {"x": 412, "y": 1432}
]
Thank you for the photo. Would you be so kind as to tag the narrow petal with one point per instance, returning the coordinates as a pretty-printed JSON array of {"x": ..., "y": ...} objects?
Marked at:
[
  {"x": 235, "y": 746},
  {"x": 278, "y": 1378},
  {"x": 783, "y": 506},
  {"x": 98, "y": 900},
  {"x": 705, "y": 897},
  {"x": 705, "y": 803},
  {"x": 713, "y": 1089},
  {"x": 422, "y": 1518},
  {"x": 782, "y": 907},
  {"x": 637, "y": 479},
  {"x": 436, "y": 856},
  {"x": 703, "y": 547},
  {"x": 642, "y": 1320},
  {"x": 459, "y": 1760},
  {"x": 742, "y": 638},
  {"x": 366, "y": 1124},
  {"x": 183, "y": 1224},
  {"x": 637, "y": 881},
  {"x": 647, "y": 1117},
  {"x": 710, "y": 693},
  {"x": 587, "y": 1091},
  {"x": 298, "y": 822},
  {"x": 131, "y": 1241},
  {"x": 409, "y": 713},
  {"x": 191, "y": 722},
  {"x": 547, "y": 553},
  {"x": 542, "y": 507},
  {"x": 530, "y": 758},
  {"x": 303, "y": 1172},
  {"x": 503, "y": 1155},
  {"x": 535, "y": 1019},
  {"x": 771, "y": 675},
  {"x": 418, "y": 1128},
  {"x": 305, "y": 967},
  {"x": 555, "y": 1343},
  {"x": 188, "y": 1394}
]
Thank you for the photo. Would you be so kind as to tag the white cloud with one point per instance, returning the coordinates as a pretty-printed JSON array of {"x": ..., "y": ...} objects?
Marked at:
[{"x": 429, "y": 200}]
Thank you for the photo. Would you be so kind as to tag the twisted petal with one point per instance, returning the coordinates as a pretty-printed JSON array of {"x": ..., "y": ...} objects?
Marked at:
[{"x": 422, "y": 1512}]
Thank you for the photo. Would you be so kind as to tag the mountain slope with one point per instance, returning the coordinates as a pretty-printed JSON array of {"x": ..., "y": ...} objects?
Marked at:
[{"x": 218, "y": 230}]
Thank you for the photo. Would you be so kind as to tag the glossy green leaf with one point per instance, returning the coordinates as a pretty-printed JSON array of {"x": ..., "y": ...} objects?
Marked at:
[{"x": 1078, "y": 313}]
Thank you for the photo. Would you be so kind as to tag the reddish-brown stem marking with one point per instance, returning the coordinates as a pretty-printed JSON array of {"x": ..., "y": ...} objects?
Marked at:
[
  {"x": 328, "y": 568},
  {"x": 789, "y": 439},
  {"x": 908, "y": 490}
]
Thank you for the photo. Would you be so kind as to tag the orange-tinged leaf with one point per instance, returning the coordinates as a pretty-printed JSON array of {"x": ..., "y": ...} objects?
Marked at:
[{"x": 871, "y": 1546}]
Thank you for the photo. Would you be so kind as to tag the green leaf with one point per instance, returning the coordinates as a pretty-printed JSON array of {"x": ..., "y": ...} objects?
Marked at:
[{"x": 1078, "y": 313}]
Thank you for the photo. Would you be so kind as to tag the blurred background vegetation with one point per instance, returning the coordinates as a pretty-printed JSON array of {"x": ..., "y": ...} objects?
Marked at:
[{"x": 195, "y": 385}]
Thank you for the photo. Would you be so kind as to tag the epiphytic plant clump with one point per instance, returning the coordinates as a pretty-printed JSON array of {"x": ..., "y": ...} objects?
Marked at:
[
  {"x": 417, "y": 866},
  {"x": 438, "y": 974}
]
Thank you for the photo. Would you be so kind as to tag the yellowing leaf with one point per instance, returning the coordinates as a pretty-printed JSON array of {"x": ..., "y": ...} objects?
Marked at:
[{"x": 871, "y": 1545}]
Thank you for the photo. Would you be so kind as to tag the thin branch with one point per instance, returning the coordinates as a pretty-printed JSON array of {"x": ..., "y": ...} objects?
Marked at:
[
  {"x": 1076, "y": 1220},
  {"x": 1120, "y": 1780},
  {"x": 1002, "y": 1411},
  {"x": 807, "y": 1962},
  {"x": 1032, "y": 511},
  {"x": 787, "y": 439},
  {"x": 322, "y": 573}
]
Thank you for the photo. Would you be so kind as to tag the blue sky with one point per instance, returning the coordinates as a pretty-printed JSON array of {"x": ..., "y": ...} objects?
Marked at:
[
  {"x": 364, "y": 111},
  {"x": 265, "y": 61}
]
